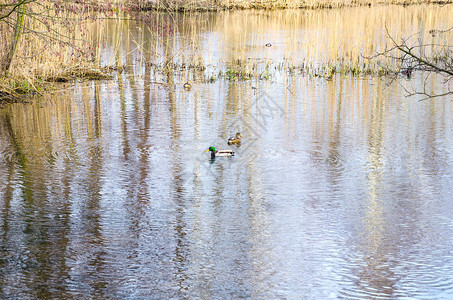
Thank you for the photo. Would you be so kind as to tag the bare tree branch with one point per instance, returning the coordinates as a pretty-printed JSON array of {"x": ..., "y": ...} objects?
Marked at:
[
  {"x": 408, "y": 56},
  {"x": 14, "y": 7}
]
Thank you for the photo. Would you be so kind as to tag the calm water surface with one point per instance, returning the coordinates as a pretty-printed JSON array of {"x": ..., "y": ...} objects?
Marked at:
[{"x": 340, "y": 189}]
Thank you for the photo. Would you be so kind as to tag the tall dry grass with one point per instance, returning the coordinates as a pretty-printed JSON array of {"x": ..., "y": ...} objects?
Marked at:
[
  {"x": 69, "y": 44},
  {"x": 215, "y": 5},
  {"x": 57, "y": 43}
]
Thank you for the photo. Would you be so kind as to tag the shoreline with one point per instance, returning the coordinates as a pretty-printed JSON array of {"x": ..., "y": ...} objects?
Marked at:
[
  {"x": 212, "y": 6},
  {"x": 12, "y": 87}
]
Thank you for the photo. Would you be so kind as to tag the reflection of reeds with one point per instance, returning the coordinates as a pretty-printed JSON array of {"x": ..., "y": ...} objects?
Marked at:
[{"x": 263, "y": 44}]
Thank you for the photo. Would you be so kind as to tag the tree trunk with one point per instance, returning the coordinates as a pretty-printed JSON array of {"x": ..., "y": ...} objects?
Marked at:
[{"x": 6, "y": 61}]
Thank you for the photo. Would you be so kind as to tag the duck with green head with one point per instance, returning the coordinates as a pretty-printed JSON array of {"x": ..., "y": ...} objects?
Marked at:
[{"x": 219, "y": 153}]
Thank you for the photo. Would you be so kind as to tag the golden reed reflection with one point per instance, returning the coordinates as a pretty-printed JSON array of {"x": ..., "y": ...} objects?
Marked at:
[
  {"x": 376, "y": 272},
  {"x": 200, "y": 47},
  {"x": 302, "y": 38}
]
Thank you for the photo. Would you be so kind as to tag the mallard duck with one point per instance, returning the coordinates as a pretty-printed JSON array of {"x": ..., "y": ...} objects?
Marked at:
[
  {"x": 219, "y": 153},
  {"x": 235, "y": 139},
  {"x": 187, "y": 85}
]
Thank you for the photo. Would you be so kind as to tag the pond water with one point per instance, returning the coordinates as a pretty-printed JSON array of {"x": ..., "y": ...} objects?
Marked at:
[{"x": 340, "y": 188}]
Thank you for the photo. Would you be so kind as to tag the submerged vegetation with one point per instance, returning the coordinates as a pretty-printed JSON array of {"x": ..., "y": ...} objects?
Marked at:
[{"x": 51, "y": 41}]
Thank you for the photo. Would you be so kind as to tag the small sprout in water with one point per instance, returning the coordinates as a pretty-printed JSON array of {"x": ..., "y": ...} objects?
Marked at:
[{"x": 265, "y": 75}]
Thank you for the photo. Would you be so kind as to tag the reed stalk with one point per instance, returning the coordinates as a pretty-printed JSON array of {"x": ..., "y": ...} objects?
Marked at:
[{"x": 216, "y": 5}]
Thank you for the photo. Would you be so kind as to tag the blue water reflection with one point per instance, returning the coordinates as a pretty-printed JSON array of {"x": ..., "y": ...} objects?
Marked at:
[{"x": 339, "y": 189}]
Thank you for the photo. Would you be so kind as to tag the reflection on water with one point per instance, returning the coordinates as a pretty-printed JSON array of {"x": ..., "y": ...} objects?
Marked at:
[
  {"x": 257, "y": 42},
  {"x": 340, "y": 189}
]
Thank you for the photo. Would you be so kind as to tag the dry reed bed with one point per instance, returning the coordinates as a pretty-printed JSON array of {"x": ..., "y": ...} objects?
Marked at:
[
  {"x": 175, "y": 45},
  {"x": 56, "y": 44},
  {"x": 216, "y": 5}
]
